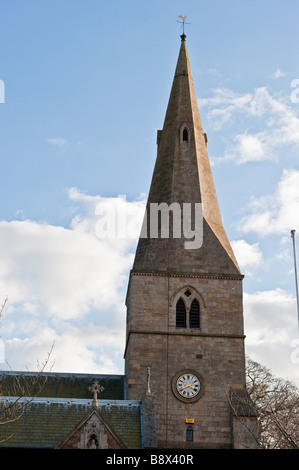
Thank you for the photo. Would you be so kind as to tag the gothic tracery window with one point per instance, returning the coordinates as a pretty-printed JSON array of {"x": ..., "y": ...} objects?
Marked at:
[{"x": 188, "y": 311}]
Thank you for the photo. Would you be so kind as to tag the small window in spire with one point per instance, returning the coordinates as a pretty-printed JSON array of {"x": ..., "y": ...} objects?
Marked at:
[{"x": 185, "y": 135}]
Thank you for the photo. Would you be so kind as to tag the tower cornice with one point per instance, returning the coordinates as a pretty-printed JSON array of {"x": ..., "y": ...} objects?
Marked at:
[{"x": 196, "y": 275}]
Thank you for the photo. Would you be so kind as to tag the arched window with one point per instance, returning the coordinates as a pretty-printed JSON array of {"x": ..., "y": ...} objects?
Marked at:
[
  {"x": 189, "y": 434},
  {"x": 93, "y": 442},
  {"x": 185, "y": 135},
  {"x": 180, "y": 314},
  {"x": 194, "y": 315}
]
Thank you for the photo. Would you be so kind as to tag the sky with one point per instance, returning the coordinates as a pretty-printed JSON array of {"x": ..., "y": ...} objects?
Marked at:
[{"x": 84, "y": 87}]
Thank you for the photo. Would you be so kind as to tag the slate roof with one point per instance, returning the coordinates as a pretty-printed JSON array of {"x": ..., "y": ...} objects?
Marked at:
[
  {"x": 46, "y": 422},
  {"x": 62, "y": 404},
  {"x": 62, "y": 385}
]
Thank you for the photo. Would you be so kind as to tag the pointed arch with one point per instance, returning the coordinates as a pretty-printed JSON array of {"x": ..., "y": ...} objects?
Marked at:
[
  {"x": 187, "y": 308},
  {"x": 185, "y": 135},
  {"x": 93, "y": 442},
  {"x": 194, "y": 294}
]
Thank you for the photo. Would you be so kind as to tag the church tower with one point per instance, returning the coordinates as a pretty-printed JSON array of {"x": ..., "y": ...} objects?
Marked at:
[{"x": 184, "y": 299}]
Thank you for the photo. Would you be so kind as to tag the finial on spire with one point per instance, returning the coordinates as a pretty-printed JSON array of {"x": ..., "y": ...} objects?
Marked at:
[{"x": 183, "y": 36}]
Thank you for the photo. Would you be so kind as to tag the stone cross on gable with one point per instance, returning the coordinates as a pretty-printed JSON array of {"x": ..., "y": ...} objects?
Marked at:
[{"x": 95, "y": 388}]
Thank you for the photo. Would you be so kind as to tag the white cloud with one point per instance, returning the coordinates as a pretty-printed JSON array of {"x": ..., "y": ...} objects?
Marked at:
[
  {"x": 275, "y": 213},
  {"x": 278, "y": 123},
  {"x": 270, "y": 319},
  {"x": 223, "y": 105},
  {"x": 58, "y": 142},
  {"x": 278, "y": 73},
  {"x": 89, "y": 347},
  {"x": 251, "y": 148},
  {"x": 248, "y": 256},
  {"x": 67, "y": 285},
  {"x": 61, "y": 271},
  {"x": 109, "y": 218}
]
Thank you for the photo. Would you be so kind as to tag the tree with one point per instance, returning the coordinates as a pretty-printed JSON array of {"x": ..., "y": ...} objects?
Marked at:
[
  {"x": 18, "y": 390},
  {"x": 277, "y": 403}
]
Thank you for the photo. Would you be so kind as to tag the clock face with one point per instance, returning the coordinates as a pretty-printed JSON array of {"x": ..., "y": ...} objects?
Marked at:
[{"x": 188, "y": 385}]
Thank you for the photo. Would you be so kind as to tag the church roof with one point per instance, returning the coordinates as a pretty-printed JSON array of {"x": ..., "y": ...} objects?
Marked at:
[
  {"x": 182, "y": 175},
  {"x": 62, "y": 385},
  {"x": 45, "y": 422},
  {"x": 61, "y": 404}
]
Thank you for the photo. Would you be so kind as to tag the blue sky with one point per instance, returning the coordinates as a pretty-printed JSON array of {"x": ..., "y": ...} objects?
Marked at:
[{"x": 86, "y": 88}]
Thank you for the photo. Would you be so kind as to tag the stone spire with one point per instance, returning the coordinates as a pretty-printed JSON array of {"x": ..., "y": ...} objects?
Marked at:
[{"x": 183, "y": 174}]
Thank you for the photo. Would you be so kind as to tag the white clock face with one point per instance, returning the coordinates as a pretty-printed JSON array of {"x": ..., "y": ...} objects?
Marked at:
[{"x": 188, "y": 385}]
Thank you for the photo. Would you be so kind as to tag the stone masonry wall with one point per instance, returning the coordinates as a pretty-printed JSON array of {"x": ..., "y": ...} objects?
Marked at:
[{"x": 215, "y": 352}]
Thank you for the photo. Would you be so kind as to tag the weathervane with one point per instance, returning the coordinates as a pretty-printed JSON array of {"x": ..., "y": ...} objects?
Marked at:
[{"x": 183, "y": 23}]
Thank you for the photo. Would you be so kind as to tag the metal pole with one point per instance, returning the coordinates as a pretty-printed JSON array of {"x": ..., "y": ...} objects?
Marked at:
[{"x": 295, "y": 265}]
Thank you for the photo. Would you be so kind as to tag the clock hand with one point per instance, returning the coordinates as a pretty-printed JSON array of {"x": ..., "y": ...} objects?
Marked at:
[{"x": 188, "y": 385}]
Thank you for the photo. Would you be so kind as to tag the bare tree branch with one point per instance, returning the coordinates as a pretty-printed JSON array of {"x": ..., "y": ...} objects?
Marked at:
[
  {"x": 277, "y": 404},
  {"x": 17, "y": 393}
]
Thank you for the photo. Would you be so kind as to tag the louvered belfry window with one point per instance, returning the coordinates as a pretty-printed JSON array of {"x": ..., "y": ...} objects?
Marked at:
[
  {"x": 194, "y": 314},
  {"x": 180, "y": 314}
]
